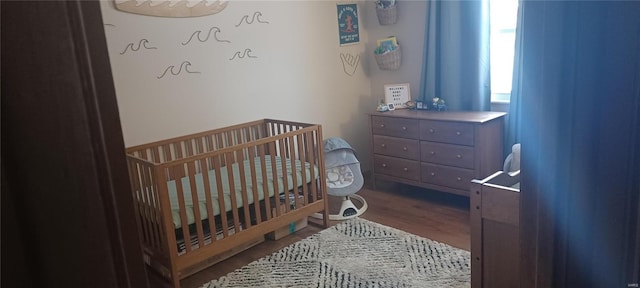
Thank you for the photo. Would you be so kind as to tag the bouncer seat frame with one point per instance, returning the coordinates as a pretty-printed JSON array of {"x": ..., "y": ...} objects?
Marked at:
[{"x": 343, "y": 177}]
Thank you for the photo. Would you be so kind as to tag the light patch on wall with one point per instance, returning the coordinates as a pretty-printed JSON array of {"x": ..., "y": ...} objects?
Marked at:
[{"x": 166, "y": 8}]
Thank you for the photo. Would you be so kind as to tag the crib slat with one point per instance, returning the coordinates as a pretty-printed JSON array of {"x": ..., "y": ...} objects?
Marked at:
[
  {"x": 135, "y": 183},
  {"x": 294, "y": 171},
  {"x": 175, "y": 173},
  {"x": 188, "y": 147},
  {"x": 199, "y": 150},
  {"x": 209, "y": 144},
  {"x": 232, "y": 190},
  {"x": 144, "y": 191},
  {"x": 157, "y": 209},
  {"x": 199, "y": 146},
  {"x": 265, "y": 183},
  {"x": 322, "y": 184},
  {"x": 177, "y": 149},
  {"x": 207, "y": 193},
  {"x": 167, "y": 152},
  {"x": 143, "y": 154},
  {"x": 221, "y": 204},
  {"x": 229, "y": 144},
  {"x": 274, "y": 176},
  {"x": 311, "y": 158},
  {"x": 238, "y": 138},
  {"x": 247, "y": 134},
  {"x": 191, "y": 173},
  {"x": 220, "y": 145},
  {"x": 155, "y": 153},
  {"x": 244, "y": 190},
  {"x": 153, "y": 209},
  {"x": 285, "y": 181},
  {"x": 148, "y": 188},
  {"x": 254, "y": 186},
  {"x": 303, "y": 162}
]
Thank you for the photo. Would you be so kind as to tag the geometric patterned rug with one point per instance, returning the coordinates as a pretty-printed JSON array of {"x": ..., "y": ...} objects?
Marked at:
[{"x": 357, "y": 253}]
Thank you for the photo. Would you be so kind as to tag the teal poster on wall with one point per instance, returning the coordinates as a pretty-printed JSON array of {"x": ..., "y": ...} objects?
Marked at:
[{"x": 348, "y": 24}]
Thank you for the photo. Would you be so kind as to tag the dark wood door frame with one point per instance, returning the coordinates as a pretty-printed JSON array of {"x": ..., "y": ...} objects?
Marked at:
[{"x": 65, "y": 184}]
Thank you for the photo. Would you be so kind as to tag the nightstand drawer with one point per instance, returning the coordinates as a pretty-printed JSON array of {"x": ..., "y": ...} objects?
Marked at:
[
  {"x": 397, "y": 147},
  {"x": 447, "y": 132},
  {"x": 447, "y": 176},
  {"x": 396, "y": 127},
  {"x": 447, "y": 154},
  {"x": 396, "y": 167}
]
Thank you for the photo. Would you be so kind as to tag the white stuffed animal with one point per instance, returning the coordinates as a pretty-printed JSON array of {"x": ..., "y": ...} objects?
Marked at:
[{"x": 512, "y": 163}]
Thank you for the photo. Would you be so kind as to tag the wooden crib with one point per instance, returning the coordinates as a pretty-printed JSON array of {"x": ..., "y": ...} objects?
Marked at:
[{"x": 276, "y": 169}]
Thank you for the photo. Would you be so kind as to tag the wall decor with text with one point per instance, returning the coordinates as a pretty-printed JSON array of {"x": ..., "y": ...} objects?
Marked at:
[{"x": 348, "y": 28}]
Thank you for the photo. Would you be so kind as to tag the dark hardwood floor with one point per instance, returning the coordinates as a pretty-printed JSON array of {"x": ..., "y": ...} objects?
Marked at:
[{"x": 435, "y": 215}]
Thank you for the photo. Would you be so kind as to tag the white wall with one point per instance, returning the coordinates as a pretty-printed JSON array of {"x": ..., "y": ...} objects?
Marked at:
[
  {"x": 297, "y": 73},
  {"x": 409, "y": 31}
]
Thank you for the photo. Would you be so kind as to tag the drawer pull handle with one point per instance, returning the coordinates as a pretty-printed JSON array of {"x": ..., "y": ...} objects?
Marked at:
[
  {"x": 384, "y": 165},
  {"x": 381, "y": 125},
  {"x": 459, "y": 156},
  {"x": 404, "y": 128},
  {"x": 431, "y": 131},
  {"x": 459, "y": 179},
  {"x": 405, "y": 148},
  {"x": 458, "y": 133},
  {"x": 432, "y": 153},
  {"x": 405, "y": 169},
  {"x": 433, "y": 174},
  {"x": 383, "y": 145}
]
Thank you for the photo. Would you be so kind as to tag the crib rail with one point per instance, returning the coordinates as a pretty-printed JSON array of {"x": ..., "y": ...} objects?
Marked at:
[{"x": 212, "y": 140}]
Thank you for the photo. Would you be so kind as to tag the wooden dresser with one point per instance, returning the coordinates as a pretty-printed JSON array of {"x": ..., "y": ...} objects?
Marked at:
[{"x": 443, "y": 151}]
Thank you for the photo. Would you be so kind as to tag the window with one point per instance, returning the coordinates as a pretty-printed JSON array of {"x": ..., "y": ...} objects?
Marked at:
[{"x": 503, "y": 17}]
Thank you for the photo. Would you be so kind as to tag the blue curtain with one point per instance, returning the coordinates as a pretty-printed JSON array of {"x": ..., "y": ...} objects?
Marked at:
[
  {"x": 579, "y": 92},
  {"x": 512, "y": 132},
  {"x": 456, "y": 54}
]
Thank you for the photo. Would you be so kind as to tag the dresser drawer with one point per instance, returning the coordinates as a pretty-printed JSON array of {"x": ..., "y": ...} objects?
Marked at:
[
  {"x": 397, "y": 167},
  {"x": 447, "y": 132},
  {"x": 396, "y": 147},
  {"x": 397, "y": 127},
  {"x": 447, "y": 154},
  {"x": 447, "y": 176}
]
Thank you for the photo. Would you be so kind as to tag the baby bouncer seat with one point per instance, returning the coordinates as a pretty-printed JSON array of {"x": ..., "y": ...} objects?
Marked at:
[{"x": 343, "y": 177}]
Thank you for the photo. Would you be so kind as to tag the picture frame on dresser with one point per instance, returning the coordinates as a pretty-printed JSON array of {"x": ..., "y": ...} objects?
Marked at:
[{"x": 397, "y": 94}]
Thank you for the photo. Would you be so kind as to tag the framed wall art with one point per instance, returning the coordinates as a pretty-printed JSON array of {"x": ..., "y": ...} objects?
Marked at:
[
  {"x": 348, "y": 28},
  {"x": 397, "y": 94}
]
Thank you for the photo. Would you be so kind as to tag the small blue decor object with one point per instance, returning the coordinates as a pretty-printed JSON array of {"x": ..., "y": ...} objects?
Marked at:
[{"x": 438, "y": 104}]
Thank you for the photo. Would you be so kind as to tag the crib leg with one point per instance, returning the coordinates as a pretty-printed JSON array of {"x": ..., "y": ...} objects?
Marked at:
[{"x": 176, "y": 279}]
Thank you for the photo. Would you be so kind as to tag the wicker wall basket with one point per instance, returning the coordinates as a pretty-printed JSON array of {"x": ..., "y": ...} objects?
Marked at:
[
  {"x": 390, "y": 60},
  {"x": 387, "y": 15}
]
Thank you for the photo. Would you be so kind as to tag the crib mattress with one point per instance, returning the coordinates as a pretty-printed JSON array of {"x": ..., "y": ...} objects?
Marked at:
[{"x": 224, "y": 171}]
